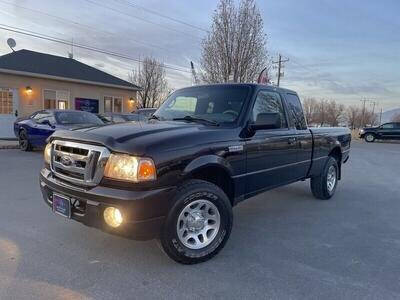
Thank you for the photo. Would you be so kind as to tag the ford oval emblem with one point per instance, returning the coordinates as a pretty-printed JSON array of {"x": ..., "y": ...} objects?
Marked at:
[{"x": 66, "y": 160}]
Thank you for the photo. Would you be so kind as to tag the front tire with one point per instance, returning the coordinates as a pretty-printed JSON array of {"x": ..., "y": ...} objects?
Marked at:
[
  {"x": 199, "y": 223},
  {"x": 24, "y": 143},
  {"x": 324, "y": 186},
  {"x": 369, "y": 138}
]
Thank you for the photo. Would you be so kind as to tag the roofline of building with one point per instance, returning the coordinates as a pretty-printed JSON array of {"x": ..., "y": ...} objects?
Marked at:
[{"x": 44, "y": 76}]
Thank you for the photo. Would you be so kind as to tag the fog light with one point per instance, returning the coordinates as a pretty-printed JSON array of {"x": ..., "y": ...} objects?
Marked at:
[{"x": 113, "y": 217}]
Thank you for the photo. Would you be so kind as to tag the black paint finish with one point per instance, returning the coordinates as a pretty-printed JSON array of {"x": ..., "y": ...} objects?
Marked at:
[{"x": 241, "y": 161}]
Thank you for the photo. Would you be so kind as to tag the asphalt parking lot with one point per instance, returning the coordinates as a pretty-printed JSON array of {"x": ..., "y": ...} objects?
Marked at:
[{"x": 284, "y": 243}]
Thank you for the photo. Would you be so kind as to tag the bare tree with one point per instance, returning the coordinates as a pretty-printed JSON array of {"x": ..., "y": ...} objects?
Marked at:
[
  {"x": 396, "y": 118},
  {"x": 322, "y": 112},
  {"x": 235, "y": 45},
  {"x": 370, "y": 118},
  {"x": 310, "y": 106},
  {"x": 334, "y": 113},
  {"x": 353, "y": 116},
  {"x": 151, "y": 78}
]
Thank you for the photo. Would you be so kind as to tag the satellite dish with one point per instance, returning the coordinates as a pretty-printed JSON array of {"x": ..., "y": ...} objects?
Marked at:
[{"x": 11, "y": 43}]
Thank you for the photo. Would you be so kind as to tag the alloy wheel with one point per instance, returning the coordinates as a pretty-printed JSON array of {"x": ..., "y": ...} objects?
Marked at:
[
  {"x": 198, "y": 224},
  {"x": 331, "y": 179}
]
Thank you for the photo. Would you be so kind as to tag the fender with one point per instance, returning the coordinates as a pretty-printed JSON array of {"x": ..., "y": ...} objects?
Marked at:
[{"x": 208, "y": 161}]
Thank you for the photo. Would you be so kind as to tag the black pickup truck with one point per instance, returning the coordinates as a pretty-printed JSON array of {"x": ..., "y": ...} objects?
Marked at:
[
  {"x": 177, "y": 176},
  {"x": 387, "y": 131}
]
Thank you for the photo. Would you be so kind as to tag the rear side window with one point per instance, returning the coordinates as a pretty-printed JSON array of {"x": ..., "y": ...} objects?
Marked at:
[
  {"x": 296, "y": 111},
  {"x": 388, "y": 126},
  {"x": 269, "y": 102}
]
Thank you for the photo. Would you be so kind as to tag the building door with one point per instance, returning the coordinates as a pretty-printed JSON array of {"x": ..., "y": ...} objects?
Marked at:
[{"x": 8, "y": 111}]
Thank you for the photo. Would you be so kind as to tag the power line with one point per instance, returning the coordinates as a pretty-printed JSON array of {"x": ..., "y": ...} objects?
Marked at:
[
  {"x": 61, "y": 19},
  {"x": 139, "y": 18},
  {"x": 82, "y": 46},
  {"x": 131, "y": 4}
]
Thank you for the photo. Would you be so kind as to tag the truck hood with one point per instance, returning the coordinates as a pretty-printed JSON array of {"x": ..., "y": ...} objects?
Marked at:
[
  {"x": 370, "y": 128},
  {"x": 138, "y": 137}
]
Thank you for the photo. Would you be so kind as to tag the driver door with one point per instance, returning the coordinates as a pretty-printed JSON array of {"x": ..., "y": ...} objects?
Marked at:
[{"x": 271, "y": 153}]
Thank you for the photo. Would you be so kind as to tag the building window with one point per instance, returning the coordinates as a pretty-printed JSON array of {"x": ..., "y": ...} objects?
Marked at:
[
  {"x": 6, "y": 101},
  {"x": 56, "y": 99},
  {"x": 112, "y": 104}
]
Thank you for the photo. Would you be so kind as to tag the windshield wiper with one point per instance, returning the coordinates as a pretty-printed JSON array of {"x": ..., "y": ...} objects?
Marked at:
[{"x": 196, "y": 119}]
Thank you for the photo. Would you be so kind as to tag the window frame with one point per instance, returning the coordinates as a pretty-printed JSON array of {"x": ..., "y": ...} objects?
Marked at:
[
  {"x": 113, "y": 103},
  {"x": 250, "y": 118},
  {"x": 292, "y": 122},
  {"x": 8, "y": 92},
  {"x": 68, "y": 100}
]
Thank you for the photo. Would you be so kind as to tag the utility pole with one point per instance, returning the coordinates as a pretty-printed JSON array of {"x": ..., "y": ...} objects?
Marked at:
[
  {"x": 280, "y": 67},
  {"x": 373, "y": 111},
  {"x": 380, "y": 117},
  {"x": 373, "y": 103},
  {"x": 363, "y": 113}
]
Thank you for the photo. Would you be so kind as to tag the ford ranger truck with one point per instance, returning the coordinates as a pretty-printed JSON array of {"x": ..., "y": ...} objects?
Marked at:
[{"x": 177, "y": 176}]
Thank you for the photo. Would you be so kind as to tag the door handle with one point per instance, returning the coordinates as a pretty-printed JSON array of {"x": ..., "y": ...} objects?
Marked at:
[{"x": 291, "y": 140}]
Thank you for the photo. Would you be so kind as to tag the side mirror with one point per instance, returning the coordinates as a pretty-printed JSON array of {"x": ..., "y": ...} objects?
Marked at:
[
  {"x": 267, "y": 121},
  {"x": 47, "y": 122}
]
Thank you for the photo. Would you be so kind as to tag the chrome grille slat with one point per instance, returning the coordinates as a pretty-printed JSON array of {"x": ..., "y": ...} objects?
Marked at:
[
  {"x": 75, "y": 156},
  {"x": 72, "y": 168},
  {"x": 85, "y": 170}
]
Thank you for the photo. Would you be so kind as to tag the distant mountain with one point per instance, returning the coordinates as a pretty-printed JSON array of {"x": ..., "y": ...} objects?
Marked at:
[{"x": 389, "y": 114}]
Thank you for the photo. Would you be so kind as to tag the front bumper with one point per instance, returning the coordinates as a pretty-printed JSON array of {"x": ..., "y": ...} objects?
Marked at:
[{"x": 143, "y": 211}]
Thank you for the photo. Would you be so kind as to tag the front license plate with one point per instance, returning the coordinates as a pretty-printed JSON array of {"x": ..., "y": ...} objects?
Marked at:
[{"x": 62, "y": 205}]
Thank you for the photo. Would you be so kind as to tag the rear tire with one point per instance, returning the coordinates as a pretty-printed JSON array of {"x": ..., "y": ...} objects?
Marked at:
[
  {"x": 324, "y": 186},
  {"x": 199, "y": 223},
  {"x": 24, "y": 143},
  {"x": 369, "y": 138}
]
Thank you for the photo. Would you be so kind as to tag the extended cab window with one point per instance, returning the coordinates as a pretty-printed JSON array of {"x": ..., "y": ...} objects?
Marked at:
[
  {"x": 296, "y": 111},
  {"x": 269, "y": 102}
]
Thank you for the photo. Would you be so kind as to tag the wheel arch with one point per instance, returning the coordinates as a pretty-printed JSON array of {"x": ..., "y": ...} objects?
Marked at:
[
  {"x": 213, "y": 169},
  {"x": 336, "y": 153}
]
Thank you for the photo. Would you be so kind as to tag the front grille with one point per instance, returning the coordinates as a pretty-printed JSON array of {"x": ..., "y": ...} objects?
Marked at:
[{"x": 78, "y": 163}]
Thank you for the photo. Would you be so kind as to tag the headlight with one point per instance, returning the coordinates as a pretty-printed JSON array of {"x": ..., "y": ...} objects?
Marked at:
[
  {"x": 130, "y": 168},
  {"x": 47, "y": 153},
  {"x": 361, "y": 130}
]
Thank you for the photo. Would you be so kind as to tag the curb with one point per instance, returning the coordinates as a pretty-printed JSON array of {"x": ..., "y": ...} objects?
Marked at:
[
  {"x": 4, "y": 147},
  {"x": 9, "y": 144}
]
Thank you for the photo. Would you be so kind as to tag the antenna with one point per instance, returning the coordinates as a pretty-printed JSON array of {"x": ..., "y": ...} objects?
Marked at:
[
  {"x": 71, "y": 54},
  {"x": 11, "y": 43}
]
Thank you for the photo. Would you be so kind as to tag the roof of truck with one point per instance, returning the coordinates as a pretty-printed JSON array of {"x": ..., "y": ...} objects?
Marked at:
[{"x": 254, "y": 85}]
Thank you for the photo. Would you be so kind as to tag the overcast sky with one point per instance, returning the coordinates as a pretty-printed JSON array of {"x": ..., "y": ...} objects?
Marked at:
[{"x": 343, "y": 50}]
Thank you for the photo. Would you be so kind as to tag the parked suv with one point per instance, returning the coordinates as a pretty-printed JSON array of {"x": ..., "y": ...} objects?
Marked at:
[
  {"x": 177, "y": 176},
  {"x": 387, "y": 131}
]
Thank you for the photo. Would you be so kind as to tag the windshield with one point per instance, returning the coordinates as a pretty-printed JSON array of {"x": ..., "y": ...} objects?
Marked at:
[
  {"x": 77, "y": 117},
  {"x": 221, "y": 104}
]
